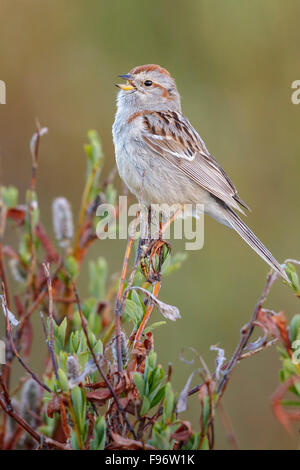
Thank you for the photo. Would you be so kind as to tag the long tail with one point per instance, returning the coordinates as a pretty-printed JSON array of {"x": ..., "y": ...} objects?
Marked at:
[{"x": 252, "y": 240}]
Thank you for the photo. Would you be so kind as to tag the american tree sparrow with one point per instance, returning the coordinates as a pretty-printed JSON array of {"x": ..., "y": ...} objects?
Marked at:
[{"x": 162, "y": 158}]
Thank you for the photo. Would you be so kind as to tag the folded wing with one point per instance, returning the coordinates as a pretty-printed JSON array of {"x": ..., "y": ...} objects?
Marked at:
[{"x": 172, "y": 137}]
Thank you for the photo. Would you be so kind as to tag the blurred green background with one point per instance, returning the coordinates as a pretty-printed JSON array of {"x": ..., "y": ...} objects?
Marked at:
[{"x": 234, "y": 63}]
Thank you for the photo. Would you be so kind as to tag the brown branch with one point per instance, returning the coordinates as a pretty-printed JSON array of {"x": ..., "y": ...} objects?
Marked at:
[
  {"x": 9, "y": 410},
  {"x": 245, "y": 335},
  {"x": 156, "y": 289}
]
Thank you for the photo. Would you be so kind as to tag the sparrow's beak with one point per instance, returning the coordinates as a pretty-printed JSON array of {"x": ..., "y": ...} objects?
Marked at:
[{"x": 128, "y": 86}]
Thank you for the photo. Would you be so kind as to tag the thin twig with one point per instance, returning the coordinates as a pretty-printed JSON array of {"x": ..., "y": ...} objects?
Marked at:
[
  {"x": 246, "y": 334},
  {"x": 50, "y": 349},
  {"x": 34, "y": 149},
  {"x": 11, "y": 412},
  {"x": 39, "y": 299},
  {"x": 8, "y": 409},
  {"x": 228, "y": 427},
  {"x": 156, "y": 289},
  {"x": 50, "y": 339}
]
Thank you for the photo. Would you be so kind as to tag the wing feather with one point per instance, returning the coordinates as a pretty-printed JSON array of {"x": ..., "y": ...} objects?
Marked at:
[{"x": 172, "y": 137}]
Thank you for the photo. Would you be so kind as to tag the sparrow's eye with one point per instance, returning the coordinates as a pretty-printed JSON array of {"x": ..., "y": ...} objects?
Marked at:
[{"x": 148, "y": 82}]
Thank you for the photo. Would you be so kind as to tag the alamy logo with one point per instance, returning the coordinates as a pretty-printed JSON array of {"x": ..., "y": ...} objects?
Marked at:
[
  {"x": 296, "y": 94},
  {"x": 114, "y": 224},
  {"x": 2, "y": 352},
  {"x": 2, "y": 92}
]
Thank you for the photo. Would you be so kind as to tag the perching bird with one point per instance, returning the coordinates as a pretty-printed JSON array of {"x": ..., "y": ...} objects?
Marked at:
[{"x": 162, "y": 158}]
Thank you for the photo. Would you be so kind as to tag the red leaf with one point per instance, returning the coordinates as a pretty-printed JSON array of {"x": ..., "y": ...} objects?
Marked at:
[
  {"x": 17, "y": 214},
  {"x": 53, "y": 406},
  {"x": 27, "y": 337},
  {"x": 276, "y": 325},
  {"x": 64, "y": 419},
  {"x": 183, "y": 433},
  {"x": 285, "y": 416},
  {"x": 51, "y": 253},
  {"x": 122, "y": 443}
]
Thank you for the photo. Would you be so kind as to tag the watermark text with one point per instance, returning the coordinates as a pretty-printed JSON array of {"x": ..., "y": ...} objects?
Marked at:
[
  {"x": 2, "y": 92},
  {"x": 152, "y": 222},
  {"x": 296, "y": 94}
]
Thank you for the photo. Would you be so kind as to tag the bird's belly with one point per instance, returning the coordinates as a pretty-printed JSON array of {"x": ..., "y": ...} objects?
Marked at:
[{"x": 154, "y": 180}]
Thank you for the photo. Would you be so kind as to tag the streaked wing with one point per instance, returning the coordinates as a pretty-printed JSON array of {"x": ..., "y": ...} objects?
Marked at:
[{"x": 172, "y": 137}]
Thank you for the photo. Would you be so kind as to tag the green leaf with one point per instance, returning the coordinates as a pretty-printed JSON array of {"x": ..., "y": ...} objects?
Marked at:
[
  {"x": 95, "y": 160},
  {"x": 155, "y": 378},
  {"x": 24, "y": 251},
  {"x": 79, "y": 405},
  {"x": 152, "y": 359},
  {"x": 161, "y": 437},
  {"x": 137, "y": 299},
  {"x": 9, "y": 196},
  {"x": 59, "y": 332},
  {"x": 290, "y": 403},
  {"x": 154, "y": 325},
  {"x": 145, "y": 406},
  {"x": 93, "y": 148},
  {"x": 295, "y": 328},
  {"x": 158, "y": 397},
  {"x": 72, "y": 266},
  {"x": 98, "y": 443},
  {"x": 289, "y": 367},
  {"x": 133, "y": 312},
  {"x": 98, "y": 347},
  {"x": 169, "y": 402},
  {"x": 205, "y": 444},
  {"x": 193, "y": 442},
  {"x": 281, "y": 375},
  {"x": 63, "y": 380},
  {"x": 31, "y": 200},
  {"x": 293, "y": 276},
  {"x": 205, "y": 413},
  {"x": 139, "y": 383},
  {"x": 74, "y": 441},
  {"x": 282, "y": 352}
]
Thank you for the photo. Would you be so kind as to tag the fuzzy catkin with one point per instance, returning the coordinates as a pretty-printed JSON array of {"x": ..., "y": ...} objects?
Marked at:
[
  {"x": 29, "y": 399},
  {"x": 29, "y": 405},
  {"x": 73, "y": 368},
  {"x": 62, "y": 221},
  {"x": 18, "y": 274}
]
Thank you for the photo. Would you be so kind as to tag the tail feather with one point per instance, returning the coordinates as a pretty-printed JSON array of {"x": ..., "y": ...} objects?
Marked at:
[{"x": 241, "y": 228}]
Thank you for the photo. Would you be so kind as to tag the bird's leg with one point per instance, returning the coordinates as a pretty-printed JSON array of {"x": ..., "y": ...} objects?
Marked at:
[{"x": 146, "y": 229}]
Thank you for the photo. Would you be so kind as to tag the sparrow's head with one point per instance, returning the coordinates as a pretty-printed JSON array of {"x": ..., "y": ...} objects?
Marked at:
[{"x": 149, "y": 87}]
